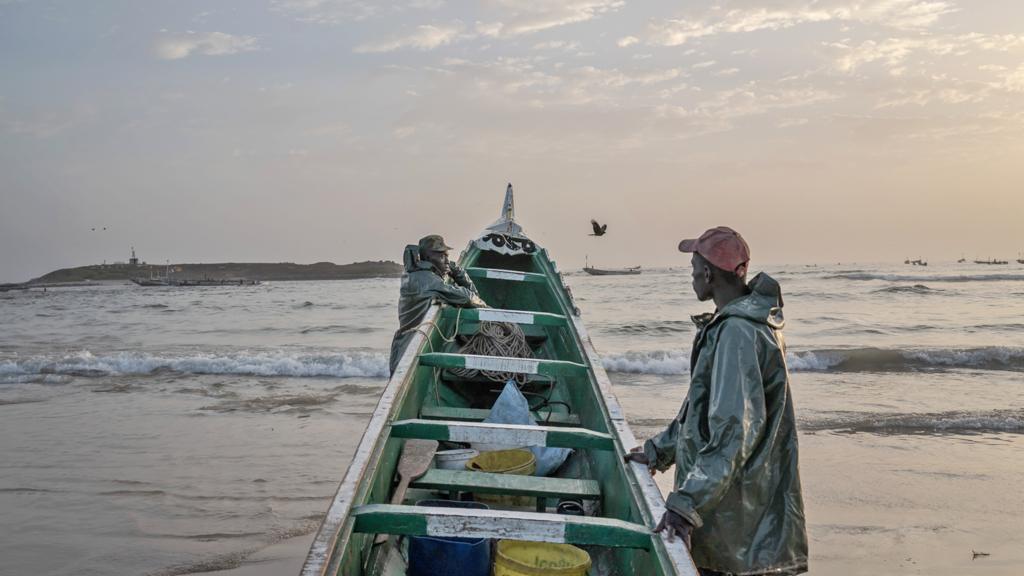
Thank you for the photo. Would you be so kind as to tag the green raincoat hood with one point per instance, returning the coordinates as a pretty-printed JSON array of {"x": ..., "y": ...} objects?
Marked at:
[
  {"x": 763, "y": 305},
  {"x": 734, "y": 442}
]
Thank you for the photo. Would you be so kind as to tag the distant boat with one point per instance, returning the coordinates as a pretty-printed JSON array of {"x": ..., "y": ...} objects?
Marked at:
[
  {"x": 991, "y": 262},
  {"x": 918, "y": 262},
  {"x": 616, "y": 272}
]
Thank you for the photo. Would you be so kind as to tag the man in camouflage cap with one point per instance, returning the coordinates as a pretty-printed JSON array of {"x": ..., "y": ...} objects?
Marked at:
[{"x": 428, "y": 276}]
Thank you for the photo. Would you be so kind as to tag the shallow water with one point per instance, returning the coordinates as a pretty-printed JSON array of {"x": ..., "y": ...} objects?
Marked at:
[{"x": 170, "y": 430}]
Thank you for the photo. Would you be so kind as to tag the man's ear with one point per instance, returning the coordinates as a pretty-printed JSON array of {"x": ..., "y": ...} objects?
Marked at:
[{"x": 741, "y": 270}]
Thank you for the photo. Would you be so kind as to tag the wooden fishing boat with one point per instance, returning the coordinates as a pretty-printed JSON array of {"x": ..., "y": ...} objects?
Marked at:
[
  {"x": 425, "y": 399},
  {"x": 613, "y": 272}
]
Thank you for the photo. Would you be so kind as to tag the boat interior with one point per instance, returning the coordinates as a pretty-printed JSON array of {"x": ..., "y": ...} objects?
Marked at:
[{"x": 436, "y": 403}]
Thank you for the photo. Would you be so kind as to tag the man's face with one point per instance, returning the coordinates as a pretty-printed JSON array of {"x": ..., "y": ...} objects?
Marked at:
[
  {"x": 701, "y": 278},
  {"x": 439, "y": 260}
]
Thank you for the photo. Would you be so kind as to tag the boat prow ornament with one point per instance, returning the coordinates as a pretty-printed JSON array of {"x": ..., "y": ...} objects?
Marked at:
[{"x": 506, "y": 236}]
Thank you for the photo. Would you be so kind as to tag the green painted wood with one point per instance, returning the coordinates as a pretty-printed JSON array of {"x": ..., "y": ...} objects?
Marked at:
[
  {"x": 502, "y": 364},
  {"x": 480, "y": 414},
  {"x": 534, "y": 334},
  {"x": 529, "y": 526},
  {"x": 506, "y": 275},
  {"x": 507, "y": 434},
  {"x": 516, "y": 316},
  {"x": 513, "y": 484}
]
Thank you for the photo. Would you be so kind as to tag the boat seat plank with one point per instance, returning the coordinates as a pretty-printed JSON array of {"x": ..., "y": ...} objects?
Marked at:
[
  {"x": 500, "y": 315},
  {"x": 502, "y": 364},
  {"x": 500, "y": 524},
  {"x": 481, "y": 414},
  {"x": 513, "y": 484},
  {"x": 505, "y": 434},
  {"x": 507, "y": 275},
  {"x": 534, "y": 334}
]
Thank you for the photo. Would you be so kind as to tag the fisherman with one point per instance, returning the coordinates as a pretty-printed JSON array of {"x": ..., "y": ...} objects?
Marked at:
[
  {"x": 734, "y": 443},
  {"x": 428, "y": 276}
]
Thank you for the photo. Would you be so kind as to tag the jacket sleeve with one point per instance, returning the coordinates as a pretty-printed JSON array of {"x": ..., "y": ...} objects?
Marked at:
[
  {"x": 736, "y": 422},
  {"x": 450, "y": 293},
  {"x": 661, "y": 449},
  {"x": 462, "y": 279}
]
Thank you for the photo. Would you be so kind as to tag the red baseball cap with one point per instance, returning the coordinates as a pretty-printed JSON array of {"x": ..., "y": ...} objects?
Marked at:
[{"x": 721, "y": 246}]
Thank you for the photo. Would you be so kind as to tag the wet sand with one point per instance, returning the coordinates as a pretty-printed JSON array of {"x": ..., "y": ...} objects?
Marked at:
[{"x": 282, "y": 558}]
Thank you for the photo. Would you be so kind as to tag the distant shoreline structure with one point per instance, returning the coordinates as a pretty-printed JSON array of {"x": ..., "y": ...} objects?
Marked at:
[{"x": 261, "y": 271}]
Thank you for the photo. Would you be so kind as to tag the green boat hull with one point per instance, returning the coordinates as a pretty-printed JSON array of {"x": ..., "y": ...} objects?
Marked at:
[{"x": 426, "y": 399}]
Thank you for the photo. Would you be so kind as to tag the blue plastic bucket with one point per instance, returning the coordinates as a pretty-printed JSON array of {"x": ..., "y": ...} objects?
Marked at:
[{"x": 429, "y": 556}]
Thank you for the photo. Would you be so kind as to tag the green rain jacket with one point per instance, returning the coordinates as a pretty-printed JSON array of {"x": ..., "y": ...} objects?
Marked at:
[
  {"x": 734, "y": 442},
  {"x": 421, "y": 285}
]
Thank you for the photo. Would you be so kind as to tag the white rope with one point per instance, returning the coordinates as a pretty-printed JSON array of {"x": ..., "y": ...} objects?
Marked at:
[{"x": 496, "y": 339}]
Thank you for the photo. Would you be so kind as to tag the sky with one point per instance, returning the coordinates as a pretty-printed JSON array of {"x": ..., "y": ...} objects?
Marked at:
[{"x": 341, "y": 130}]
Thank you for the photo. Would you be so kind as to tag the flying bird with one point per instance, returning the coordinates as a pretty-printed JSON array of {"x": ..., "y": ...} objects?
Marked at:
[{"x": 599, "y": 229}]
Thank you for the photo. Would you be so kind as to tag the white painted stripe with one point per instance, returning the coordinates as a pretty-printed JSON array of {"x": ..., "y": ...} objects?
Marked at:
[
  {"x": 503, "y": 316},
  {"x": 498, "y": 364},
  {"x": 503, "y": 434},
  {"x": 470, "y": 527},
  {"x": 502, "y": 275}
]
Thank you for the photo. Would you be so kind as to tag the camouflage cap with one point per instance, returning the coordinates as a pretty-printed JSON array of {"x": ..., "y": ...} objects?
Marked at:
[{"x": 435, "y": 243}]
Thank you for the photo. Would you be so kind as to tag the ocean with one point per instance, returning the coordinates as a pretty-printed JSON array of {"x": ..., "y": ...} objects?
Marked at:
[{"x": 164, "y": 431}]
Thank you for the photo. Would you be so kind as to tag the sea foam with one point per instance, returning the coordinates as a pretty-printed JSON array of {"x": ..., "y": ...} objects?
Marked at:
[
  {"x": 839, "y": 360},
  {"x": 349, "y": 364}
]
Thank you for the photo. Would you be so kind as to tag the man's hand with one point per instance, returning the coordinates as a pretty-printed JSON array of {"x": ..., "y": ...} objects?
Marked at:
[
  {"x": 637, "y": 455},
  {"x": 675, "y": 525},
  {"x": 454, "y": 271}
]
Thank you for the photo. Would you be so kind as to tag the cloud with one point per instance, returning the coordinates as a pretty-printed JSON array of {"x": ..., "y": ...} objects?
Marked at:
[
  {"x": 175, "y": 47},
  {"x": 325, "y": 11},
  {"x": 627, "y": 41},
  {"x": 426, "y": 37},
  {"x": 893, "y": 52},
  {"x": 719, "y": 112},
  {"x": 1013, "y": 81},
  {"x": 339, "y": 11},
  {"x": 557, "y": 45},
  {"x": 901, "y": 14},
  {"x": 519, "y": 17}
]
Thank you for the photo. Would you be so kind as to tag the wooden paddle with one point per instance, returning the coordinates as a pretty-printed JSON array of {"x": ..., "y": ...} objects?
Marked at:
[{"x": 417, "y": 455}]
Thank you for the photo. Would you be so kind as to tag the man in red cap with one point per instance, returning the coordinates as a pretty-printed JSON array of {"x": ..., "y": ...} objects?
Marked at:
[{"x": 737, "y": 501}]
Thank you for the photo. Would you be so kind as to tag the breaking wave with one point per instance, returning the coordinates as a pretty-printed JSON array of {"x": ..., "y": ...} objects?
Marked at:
[
  {"x": 656, "y": 328},
  {"x": 915, "y": 289},
  {"x": 659, "y": 362},
  {"x": 958, "y": 422},
  {"x": 888, "y": 360},
  {"x": 840, "y": 360},
  {"x": 908, "y": 278},
  {"x": 352, "y": 364}
]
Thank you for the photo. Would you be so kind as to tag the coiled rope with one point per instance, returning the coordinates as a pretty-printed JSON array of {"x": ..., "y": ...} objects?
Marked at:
[{"x": 496, "y": 339}]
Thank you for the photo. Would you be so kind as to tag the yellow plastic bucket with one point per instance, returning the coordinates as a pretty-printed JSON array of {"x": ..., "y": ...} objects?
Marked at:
[
  {"x": 516, "y": 558},
  {"x": 517, "y": 461}
]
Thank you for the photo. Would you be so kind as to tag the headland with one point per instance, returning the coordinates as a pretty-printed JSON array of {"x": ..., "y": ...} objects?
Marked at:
[{"x": 262, "y": 271}]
